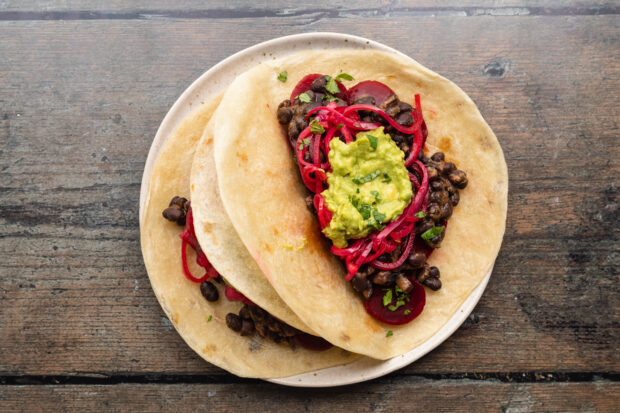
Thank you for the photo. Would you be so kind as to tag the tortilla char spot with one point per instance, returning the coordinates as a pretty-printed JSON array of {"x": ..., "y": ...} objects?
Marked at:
[
  {"x": 267, "y": 247},
  {"x": 209, "y": 141},
  {"x": 275, "y": 231},
  {"x": 255, "y": 345},
  {"x": 345, "y": 337},
  {"x": 242, "y": 156},
  {"x": 444, "y": 144}
]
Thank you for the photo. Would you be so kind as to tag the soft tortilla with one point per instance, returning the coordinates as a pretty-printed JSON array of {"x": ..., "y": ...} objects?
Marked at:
[
  {"x": 219, "y": 240},
  {"x": 181, "y": 299},
  {"x": 264, "y": 196}
]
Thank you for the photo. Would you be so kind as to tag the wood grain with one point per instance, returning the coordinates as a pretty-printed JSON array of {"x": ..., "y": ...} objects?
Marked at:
[
  {"x": 391, "y": 396},
  {"x": 80, "y": 102}
]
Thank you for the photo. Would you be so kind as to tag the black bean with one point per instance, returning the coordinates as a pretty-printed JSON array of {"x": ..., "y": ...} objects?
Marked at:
[
  {"x": 434, "y": 212},
  {"x": 319, "y": 84},
  {"x": 284, "y": 103},
  {"x": 234, "y": 322},
  {"x": 438, "y": 157},
  {"x": 209, "y": 291},
  {"x": 293, "y": 130},
  {"x": 391, "y": 100},
  {"x": 285, "y": 114},
  {"x": 301, "y": 122},
  {"x": 403, "y": 283},
  {"x": 454, "y": 199},
  {"x": 247, "y": 327},
  {"x": 446, "y": 210},
  {"x": 437, "y": 185},
  {"x": 404, "y": 118},
  {"x": 422, "y": 226},
  {"x": 434, "y": 272},
  {"x": 423, "y": 273},
  {"x": 433, "y": 283},
  {"x": 438, "y": 197},
  {"x": 458, "y": 178},
  {"x": 364, "y": 100},
  {"x": 405, "y": 107},
  {"x": 382, "y": 277},
  {"x": 173, "y": 213},
  {"x": 416, "y": 259},
  {"x": 392, "y": 110},
  {"x": 432, "y": 173},
  {"x": 360, "y": 282},
  {"x": 310, "y": 203},
  {"x": 245, "y": 313},
  {"x": 448, "y": 167}
]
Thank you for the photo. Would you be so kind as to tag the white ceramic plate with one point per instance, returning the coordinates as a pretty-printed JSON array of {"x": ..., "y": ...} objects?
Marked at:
[{"x": 213, "y": 82}]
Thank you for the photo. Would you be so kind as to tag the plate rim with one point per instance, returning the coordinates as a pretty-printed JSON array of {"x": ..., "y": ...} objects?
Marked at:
[{"x": 337, "y": 375}]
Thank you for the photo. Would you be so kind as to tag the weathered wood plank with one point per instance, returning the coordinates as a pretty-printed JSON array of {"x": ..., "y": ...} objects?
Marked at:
[
  {"x": 78, "y": 110},
  {"x": 396, "y": 395}
]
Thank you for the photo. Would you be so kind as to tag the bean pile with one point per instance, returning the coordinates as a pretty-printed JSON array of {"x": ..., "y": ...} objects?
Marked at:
[{"x": 252, "y": 318}]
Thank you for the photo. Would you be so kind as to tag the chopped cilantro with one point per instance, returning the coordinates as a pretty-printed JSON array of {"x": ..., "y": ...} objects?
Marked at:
[
  {"x": 338, "y": 126},
  {"x": 407, "y": 312},
  {"x": 329, "y": 97},
  {"x": 209, "y": 319},
  {"x": 420, "y": 214},
  {"x": 283, "y": 76},
  {"x": 332, "y": 86},
  {"x": 386, "y": 178},
  {"x": 304, "y": 142},
  {"x": 366, "y": 178},
  {"x": 364, "y": 210},
  {"x": 373, "y": 141},
  {"x": 357, "y": 191},
  {"x": 398, "y": 289},
  {"x": 389, "y": 334},
  {"x": 398, "y": 304},
  {"x": 304, "y": 97},
  {"x": 387, "y": 298},
  {"x": 379, "y": 217},
  {"x": 376, "y": 194},
  {"x": 344, "y": 76},
  {"x": 432, "y": 233},
  {"x": 316, "y": 127}
]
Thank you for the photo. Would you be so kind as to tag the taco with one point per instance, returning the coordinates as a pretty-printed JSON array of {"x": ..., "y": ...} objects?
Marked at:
[
  {"x": 216, "y": 321},
  {"x": 333, "y": 190}
]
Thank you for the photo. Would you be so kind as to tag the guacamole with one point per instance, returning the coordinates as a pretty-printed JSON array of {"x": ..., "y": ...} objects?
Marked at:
[{"x": 368, "y": 188}]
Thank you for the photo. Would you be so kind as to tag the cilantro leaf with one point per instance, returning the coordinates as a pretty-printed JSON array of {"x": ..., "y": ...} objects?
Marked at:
[
  {"x": 379, "y": 217},
  {"x": 304, "y": 97},
  {"x": 332, "y": 86},
  {"x": 366, "y": 178},
  {"x": 210, "y": 318},
  {"x": 344, "y": 76},
  {"x": 420, "y": 214},
  {"x": 316, "y": 127},
  {"x": 283, "y": 76},
  {"x": 398, "y": 304},
  {"x": 432, "y": 233},
  {"x": 364, "y": 210},
  {"x": 407, "y": 312},
  {"x": 387, "y": 298},
  {"x": 386, "y": 178},
  {"x": 373, "y": 141},
  {"x": 376, "y": 194},
  {"x": 338, "y": 126},
  {"x": 389, "y": 334}
]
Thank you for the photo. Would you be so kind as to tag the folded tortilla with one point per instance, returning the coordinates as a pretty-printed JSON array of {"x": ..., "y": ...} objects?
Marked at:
[
  {"x": 263, "y": 196},
  {"x": 199, "y": 322}
]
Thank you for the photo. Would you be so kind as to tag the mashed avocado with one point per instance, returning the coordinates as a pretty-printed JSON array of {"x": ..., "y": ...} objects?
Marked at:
[{"x": 368, "y": 188}]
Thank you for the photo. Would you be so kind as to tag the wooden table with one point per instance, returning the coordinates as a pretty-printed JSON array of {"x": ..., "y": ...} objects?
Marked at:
[{"x": 83, "y": 88}]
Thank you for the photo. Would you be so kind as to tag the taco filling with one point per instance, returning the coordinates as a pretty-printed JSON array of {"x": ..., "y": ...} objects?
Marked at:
[
  {"x": 251, "y": 318},
  {"x": 381, "y": 201}
]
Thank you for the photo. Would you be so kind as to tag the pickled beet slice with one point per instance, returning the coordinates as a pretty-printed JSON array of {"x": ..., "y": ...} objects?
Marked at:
[
  {"x": 234, "y": 295},
  {"x": 415, "y": 305},
  {"x": 377, "y": 90},
  {"x": 305, "y": 83},
  {"x": 311, "y": 342}
]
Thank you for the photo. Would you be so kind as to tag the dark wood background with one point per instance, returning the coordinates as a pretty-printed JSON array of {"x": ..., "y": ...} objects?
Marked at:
[{"x": 83, "y": 88}]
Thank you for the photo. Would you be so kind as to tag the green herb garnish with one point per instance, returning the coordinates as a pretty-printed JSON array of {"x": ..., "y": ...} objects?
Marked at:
[
  {"x": 376, "y": 194},
  {"x": 332, "y": 86},
  {"x": 304, "y": 97},
  {"x": 344, "y": 76},
  {"x": 387, "y": 298},
  {"x": 316, "y": 127},
  {"x": 432, "y": 233},
  {"x": 338, "y": 126},
  {"x": 379, "y": 217},
  {"x": 304, "y": 142},
  {"x": 398, "y": 304},
  {"x": 386, "y": 178},
  {"x": 373, "y": 141},
  {"x": 209, "y": 319},
  {"x": 364, "y": 210},
  {"x": 389, "y": 334},
  {"x": 407, "y": 312},
  {"x": 366, "y": 178},
  {"x": 420, "y": 214},
  {"x": 283, "y": 76}
]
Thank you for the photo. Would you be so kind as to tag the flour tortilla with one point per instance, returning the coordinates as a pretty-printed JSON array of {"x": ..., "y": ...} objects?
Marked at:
[
  {"x": 219, "y": 240},
  {"x": 181, "y": 299},
  {"x": 264, "y": 196}
]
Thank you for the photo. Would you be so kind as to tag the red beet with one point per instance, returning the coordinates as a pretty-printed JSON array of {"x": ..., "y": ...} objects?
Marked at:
[
  {"x": 377, "y": 90},
  {"x": 311, "y": 342},
  {"x": 415, "y": 305},
  {"x": 234, "y": 295}
]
